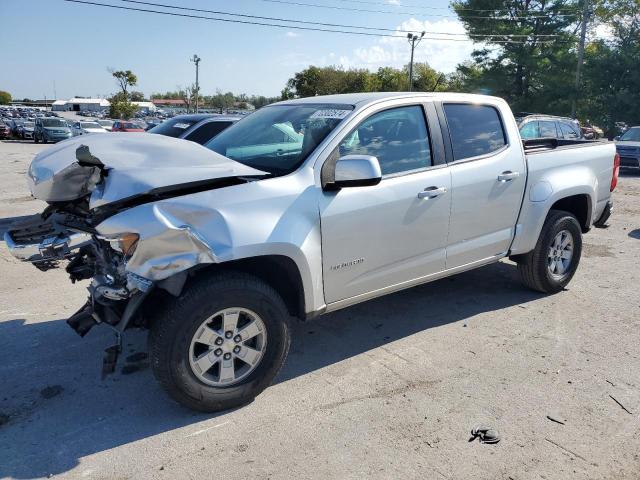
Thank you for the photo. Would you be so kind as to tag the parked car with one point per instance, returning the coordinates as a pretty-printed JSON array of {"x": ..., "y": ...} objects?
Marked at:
[
  {"x": 628, "y": 146},
  {"x": 126, "y": 126},
  {"x": 199, "y": 128},
  {"x": 106, "y": 124},
  {"x": 5, "y": 130},
  {"x": 215, "y": 249},
  {"x": 548, "y": 126},
  {"x": 83, "y": 128},
  {"x": 27, "y": 129},
  {"x": 50, "y": 130}
]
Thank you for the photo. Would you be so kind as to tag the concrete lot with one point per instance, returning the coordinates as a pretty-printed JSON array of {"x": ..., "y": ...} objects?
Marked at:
[{"x": 386, "y": 389}]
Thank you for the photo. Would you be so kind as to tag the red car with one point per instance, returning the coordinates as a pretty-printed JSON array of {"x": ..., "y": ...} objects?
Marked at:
[
  {"x": 126, "y": 126},
  {"x": 5, "y": 131}
]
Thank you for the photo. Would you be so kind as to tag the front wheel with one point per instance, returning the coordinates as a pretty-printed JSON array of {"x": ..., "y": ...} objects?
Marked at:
[
  {"x": 551, "y": 265},
  {"x": 221, "y": 343}
]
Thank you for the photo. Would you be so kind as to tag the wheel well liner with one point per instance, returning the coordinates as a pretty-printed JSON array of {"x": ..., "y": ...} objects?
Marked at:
[
  {"x": 278, "y": 271},
  {"x": 580, "y": 206}
]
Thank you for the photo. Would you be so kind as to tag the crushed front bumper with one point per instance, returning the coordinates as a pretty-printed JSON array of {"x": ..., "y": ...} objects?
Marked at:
[{"x": 43, "y": 243}]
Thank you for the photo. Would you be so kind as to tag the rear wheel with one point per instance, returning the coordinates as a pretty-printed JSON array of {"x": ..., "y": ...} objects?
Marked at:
[
  {"x": 551, "y": 265},
  {"x": 221, "y": 343}
]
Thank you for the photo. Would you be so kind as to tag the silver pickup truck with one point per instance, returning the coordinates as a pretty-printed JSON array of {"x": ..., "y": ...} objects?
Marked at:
[{"x": 302, "y": 208}]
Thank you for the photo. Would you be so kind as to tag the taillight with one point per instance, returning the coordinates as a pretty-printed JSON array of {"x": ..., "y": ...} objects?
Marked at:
[{"x": 616, "y": 172}]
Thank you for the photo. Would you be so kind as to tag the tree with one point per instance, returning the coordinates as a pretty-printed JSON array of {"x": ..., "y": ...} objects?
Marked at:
[
  {"x": 137, "y": 96},
  {"x": 125, "y": 79},
  {"x": 121, "y": 107},
  {"x": 5, "y": 98},
  {"x": 528, "y": 47}
]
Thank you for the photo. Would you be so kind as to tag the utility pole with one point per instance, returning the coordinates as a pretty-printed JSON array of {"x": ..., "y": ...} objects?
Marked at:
[
  {"x": 414, "y": 40},
  {"x": 196, "y": 60},
  {"x": 583, "y": 36}
]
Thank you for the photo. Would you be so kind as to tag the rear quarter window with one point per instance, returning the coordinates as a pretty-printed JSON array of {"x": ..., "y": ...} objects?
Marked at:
[{"x": 474, "y": 130}]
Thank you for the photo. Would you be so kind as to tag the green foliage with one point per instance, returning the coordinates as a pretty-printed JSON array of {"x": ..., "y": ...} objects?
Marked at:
[
  {"x": 125, "y": 79},
  {"x": 137, "y": 97},
  {"x": 5, "y": 98},
  {"x": 330, "y": 80},
  {"x": 121, "y": 107}
]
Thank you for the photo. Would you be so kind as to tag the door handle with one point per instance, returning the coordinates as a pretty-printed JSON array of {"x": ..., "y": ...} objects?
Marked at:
[
  {"x": 432, "y": 192},
  {"x": 508, "y": 176}
]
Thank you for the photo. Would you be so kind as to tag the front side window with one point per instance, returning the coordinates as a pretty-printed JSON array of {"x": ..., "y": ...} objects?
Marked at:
[
  {"x": 474, "y": 129},
  {"x": 397, "y": 137},
  {"x": 548, "y": 129},
  {"x": 279, "y": 138},
  {"x": 568, "y": 131},
  {"x": 529, "y": 130}
]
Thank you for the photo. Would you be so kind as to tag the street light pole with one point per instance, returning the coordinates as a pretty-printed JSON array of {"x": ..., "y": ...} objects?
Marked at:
[
  {"x": 196, "y": 60},
  {"x": 413, "y": 41}
]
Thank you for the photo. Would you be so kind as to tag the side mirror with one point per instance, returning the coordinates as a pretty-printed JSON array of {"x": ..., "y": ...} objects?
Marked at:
[
  {"x": 357, "y": 171},
  {"x": 615, "y": 139}
]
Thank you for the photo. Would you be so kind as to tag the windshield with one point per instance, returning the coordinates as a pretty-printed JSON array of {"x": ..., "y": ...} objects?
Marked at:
[
  {"x": 174, "y": 127},
  {"x": 28, "y": 124},
  {"x": 130, "y": 125},
  {"x": 53, "y": 122},
  {"x": 108, "y": 123},
  {"x": 631, "y": 135},
  {"x": 89, "y": 125},
  {"x": 278, "y": 138}
]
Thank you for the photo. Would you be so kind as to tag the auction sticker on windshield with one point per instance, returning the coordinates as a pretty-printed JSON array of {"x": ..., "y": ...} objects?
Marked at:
[
  {"x": 182, "y": 125},
  {"x": 331, "y": 113}
]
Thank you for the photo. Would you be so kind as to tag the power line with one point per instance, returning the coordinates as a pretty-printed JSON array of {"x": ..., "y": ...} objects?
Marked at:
[
  {"x": 353, "y": 9},
  {"x": 338, "y": 25},
  {"x": 265, "y": 24},
  {"x": 422, "y": 7}
]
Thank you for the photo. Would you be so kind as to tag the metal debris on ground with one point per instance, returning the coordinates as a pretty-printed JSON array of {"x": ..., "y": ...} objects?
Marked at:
[{"x": 485, "y": 434}]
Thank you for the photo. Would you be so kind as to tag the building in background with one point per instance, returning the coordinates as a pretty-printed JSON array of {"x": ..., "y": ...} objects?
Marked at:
[{"x": 77, "y": 104}]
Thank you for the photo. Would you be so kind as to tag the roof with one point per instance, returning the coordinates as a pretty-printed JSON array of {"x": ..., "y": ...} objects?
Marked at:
[
  {"x": 168, "y": 101},
  {"x": 144, "y": 104},
  {"x": 197, "y": 117},
  {"x": 359, "y": 99},
  {"x": 101, "y": 101}
]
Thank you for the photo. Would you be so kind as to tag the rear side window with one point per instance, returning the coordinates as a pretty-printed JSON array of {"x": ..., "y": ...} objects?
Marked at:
[
  {"x": 474, "y": 130},
  {"x": 397, "y": 137},
  {"x": 548, "y": 129},
  {"x": 206, "y": 132}
]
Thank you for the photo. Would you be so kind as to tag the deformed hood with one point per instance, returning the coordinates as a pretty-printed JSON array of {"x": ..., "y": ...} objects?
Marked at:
[{"x": 119, "y": 166}]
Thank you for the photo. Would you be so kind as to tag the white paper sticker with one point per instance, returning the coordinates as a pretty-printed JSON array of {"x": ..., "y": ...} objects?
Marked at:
[
  {"x": 331, "y": 113},
  {"x": 181, "y": 125}
]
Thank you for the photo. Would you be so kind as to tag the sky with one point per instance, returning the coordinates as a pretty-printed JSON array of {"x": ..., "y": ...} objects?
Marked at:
[{"x": 53, "y": 48}]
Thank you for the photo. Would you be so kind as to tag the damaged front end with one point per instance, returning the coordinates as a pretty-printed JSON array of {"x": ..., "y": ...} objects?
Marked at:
[
  {"x": 104, "y": 221},
  {"x": 57, "y": 236}
]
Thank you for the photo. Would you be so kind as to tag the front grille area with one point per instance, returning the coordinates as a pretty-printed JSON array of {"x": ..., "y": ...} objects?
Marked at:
[{"x": 32, "y": 230}]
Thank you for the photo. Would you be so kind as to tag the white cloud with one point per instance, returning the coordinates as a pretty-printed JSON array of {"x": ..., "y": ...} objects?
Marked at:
[
  {"x": 393, "y": 2},
  {"x": 292, "y": 34},
  {"x": 437, "y": 49},
  {"x": 602, "y": 32}
]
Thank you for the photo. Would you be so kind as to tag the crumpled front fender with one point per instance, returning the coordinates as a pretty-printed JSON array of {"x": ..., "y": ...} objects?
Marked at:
[{"x": 171, "y": 239}]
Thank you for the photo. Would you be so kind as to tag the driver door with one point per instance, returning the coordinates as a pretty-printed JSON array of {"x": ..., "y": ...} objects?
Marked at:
[{"x": 383, "y": 236}]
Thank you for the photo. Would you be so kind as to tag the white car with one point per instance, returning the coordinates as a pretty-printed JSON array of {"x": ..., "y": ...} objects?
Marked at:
[
  {"x": 106, "y": 124},
  {"x": 83, "y": 128}
]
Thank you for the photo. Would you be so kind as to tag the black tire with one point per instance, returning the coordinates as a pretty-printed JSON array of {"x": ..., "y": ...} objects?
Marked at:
[
  {"x": 172, "y": 331},
  {"x": 533, "y": 267}
]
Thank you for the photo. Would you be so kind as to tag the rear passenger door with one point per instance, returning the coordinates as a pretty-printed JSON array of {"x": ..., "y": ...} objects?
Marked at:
[
  {"x": 488, "y": 177},
  {"x": 548, "y": 129}
]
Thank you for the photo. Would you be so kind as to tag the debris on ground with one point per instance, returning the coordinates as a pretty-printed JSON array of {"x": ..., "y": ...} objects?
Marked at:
[
  {"x": 51, "y": 391},
  {"x": 137, "y": 357},
  {"x": 485, "y": 434},
  {"x": 553, "y": 419},
  {"x": 3, "y": 419},
  {"x": 621, "y": 405}
]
